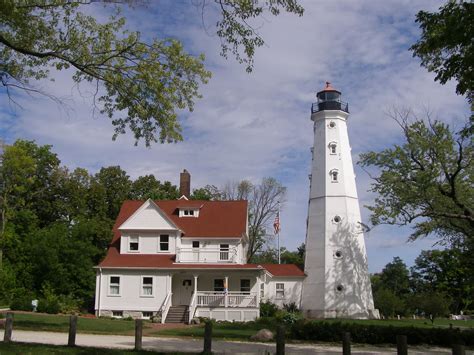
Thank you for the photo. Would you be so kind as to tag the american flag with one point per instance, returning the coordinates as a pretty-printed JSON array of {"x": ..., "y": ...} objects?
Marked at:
[{"x": 276, "y": 223}]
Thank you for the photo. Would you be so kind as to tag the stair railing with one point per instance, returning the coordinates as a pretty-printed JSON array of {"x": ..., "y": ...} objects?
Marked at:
[
  {"x": 165, "y": 307},
  {"x": 192, "y": 307}
]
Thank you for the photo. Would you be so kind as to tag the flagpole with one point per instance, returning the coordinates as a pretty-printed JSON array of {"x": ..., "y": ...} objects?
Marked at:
[{"x": 278, "y": 234}]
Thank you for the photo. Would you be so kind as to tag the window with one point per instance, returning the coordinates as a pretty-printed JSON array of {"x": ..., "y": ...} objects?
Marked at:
[
  {"x": 334, "y": 175},
  {"x": 338, "y": 254},
  {"x": 280, "y": 290},
  {"x": 164, "y": 242},
  {"x": 337, "y": 219},
  {"x": 133, "y": 243},
  {"x": 219, "y": 285},
  {"x": 245, "y": 286},
  {"x": 117, "y": 314},
  {"x": 332, "y": 148},
  {"x": 224, "y": 252},
  {"x": 114, "y": 286},
  {"x": 196, "y": 244},
  {"x": 262, "y": 290},
  {"x": 147, "y": 286},
  {"x": 188, "y": 213},
  {"x": 332, "y": 124},
  {"x": 147, "y": 315},
  {"x": 340, "y": 288}
]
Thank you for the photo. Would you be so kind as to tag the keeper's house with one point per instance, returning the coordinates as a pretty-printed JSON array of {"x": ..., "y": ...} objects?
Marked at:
[{"x": 184, "y": 258}]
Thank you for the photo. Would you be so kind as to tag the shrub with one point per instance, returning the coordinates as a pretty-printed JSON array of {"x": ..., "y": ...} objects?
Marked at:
[
  {"x": 291, "y": 307},
  {"x": 379, "y": 334},
  {"x": 268, "y": 309},
  {"x": 22, "y": 300}
]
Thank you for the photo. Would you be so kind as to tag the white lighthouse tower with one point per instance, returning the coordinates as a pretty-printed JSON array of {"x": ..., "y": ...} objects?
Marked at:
[{"x": 337, "y": 283}]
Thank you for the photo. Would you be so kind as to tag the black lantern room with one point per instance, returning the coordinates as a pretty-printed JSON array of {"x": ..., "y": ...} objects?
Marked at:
[{"x": 329, "y": 99}]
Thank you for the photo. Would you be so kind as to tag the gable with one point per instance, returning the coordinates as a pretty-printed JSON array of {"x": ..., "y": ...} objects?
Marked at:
[{"x": 148, "y": 217}]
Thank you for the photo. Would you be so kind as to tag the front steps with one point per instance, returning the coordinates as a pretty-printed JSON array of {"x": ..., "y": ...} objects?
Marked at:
[{"x": 178, "y": 314}]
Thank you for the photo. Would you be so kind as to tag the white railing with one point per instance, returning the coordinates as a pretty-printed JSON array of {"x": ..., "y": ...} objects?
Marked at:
[
  {"x": 192, "y": 307},
  {"x": 165, "y": 307},
  {"x": 206, "y": 255},
  {"x": 227, "y": 299}
]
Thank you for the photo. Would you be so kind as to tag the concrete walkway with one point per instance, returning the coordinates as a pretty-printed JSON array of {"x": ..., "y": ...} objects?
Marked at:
[{"x": 195, "y": 345}]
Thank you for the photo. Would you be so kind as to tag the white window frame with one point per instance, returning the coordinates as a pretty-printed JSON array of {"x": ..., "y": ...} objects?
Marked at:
[
  {"x": 262, "y": 290},
  {"x": 109, "y": 293},
  {"x": 159, "y": 243},
  {"x": 336, "y": 173},
  {"x": 114, "y": 316},
  {"x": 133, "y": 237},
  {"x": 224, "y": 252},
  {"x": 333, "y": 148},
  {"x": 280, "y": 291},
  {"x": 142, "y": 286},
  {"x": 189, "y": 212},
  {"x": 147, "y": 317}
]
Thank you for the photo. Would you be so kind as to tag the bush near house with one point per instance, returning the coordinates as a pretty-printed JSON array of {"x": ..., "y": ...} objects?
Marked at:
[{"x": 378, "y": 334}]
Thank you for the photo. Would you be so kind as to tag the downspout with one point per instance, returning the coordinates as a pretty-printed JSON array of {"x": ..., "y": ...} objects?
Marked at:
[{"x": 100, "y": 289}]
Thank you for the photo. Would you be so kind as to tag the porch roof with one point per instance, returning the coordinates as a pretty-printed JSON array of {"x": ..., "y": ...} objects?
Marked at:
[{"x": 167, "y": 261}]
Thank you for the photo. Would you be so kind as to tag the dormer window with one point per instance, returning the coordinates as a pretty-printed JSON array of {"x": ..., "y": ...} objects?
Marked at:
[
  {"x": 133, "y": 243},
  {"x": 188, "y": 212}
]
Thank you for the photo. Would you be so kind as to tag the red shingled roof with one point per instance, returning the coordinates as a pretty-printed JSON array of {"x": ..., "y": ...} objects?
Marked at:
[
  {"x": 217, "y": 219},
  {"x": 160, "y": 261},
  {"x": 283, "y": 269}
]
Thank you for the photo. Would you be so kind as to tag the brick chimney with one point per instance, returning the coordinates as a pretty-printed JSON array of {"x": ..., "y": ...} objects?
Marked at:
[{"x": 185, "y": 183}]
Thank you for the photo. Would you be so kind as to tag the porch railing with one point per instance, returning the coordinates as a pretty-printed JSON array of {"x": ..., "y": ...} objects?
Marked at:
[
  {"x": 226, "y": 299},
  {"x": 165, "y": 307},
  {"x": 211, "y": 255}
]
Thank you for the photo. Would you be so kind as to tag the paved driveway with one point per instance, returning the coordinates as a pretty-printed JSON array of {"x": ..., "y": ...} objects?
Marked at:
[{"x": 195, "y": 345}]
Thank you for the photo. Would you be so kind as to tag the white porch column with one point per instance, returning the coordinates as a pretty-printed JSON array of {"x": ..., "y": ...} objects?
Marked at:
[
  {"x": 226, "y": 290},
  {"x": 195, "y": 284}
]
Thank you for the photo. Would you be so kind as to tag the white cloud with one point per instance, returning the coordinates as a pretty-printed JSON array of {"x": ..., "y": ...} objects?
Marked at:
[{"x": 251, "y": 126}]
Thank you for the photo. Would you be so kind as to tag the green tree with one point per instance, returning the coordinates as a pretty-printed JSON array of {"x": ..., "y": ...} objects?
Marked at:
[
  {"x": 140, "y": 85},
  {"x": 427, "y": 181},
  {"x": 446, "y": 272},
  {"x": 145, "y": 187},
  {"x": 207, "y": 193},
  {"x": 446, "y": 45},
  {"x": 388, "y": 303},
  {"x": 116, "y": 186},
  {"x": 433, "y": 305},
  {"x": 395, "y": 277}
]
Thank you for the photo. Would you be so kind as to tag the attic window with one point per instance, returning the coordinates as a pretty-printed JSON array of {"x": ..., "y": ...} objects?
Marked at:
[
  {"x": 133, "y": 243},
  {"x": 188, "y": 212}
]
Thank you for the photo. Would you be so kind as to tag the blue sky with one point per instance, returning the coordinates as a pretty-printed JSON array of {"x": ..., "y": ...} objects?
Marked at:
[{"x": 248, "y": 126}]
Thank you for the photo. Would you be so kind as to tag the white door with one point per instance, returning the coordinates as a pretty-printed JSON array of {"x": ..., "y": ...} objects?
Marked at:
[{"x": 182, "y": 290}]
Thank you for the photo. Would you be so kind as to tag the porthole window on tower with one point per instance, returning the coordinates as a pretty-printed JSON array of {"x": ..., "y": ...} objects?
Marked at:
[
  {"x": 339, "y": 288},
  {"x": 334, "y": 175},
  {"x": 332, "y": 124},
  {"x": 333, "y": 148},
  {"x": 337, "y": 219},
  {"x": 338, "y": 254}
]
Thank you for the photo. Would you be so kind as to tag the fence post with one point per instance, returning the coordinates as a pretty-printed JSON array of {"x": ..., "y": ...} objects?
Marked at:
[
  {"x": 208, "y": 338},
  {"x": 138, "y": 334},
  {"x": 7, "y": 337},
  {"x": 402, "y": 347},
  {"x": 346, "y": 343},
  {"x": 459, "y": 349},
  {"x": 71, "y": 341},
  {"x": 280, "y": 340}
]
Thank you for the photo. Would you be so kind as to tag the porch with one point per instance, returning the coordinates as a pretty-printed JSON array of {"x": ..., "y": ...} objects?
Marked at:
[{"x": 221, "y": 295}]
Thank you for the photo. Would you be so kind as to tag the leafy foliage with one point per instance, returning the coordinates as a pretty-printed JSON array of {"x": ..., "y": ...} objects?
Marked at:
[
  {"x": 140, "y": 85},
  {"x": 268, "y": 309},
  {"x": 426, "y": 180},
  {"x": 446, "y": 45}
]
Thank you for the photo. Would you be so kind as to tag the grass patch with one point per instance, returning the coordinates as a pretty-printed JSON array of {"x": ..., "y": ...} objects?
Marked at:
[
  {"x": 33, "y": 349},
  {"x": 60, "y": 323}
]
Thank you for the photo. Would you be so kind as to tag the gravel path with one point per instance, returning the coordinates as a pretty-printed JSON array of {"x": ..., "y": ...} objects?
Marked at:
[{"x": 195, "y": 345}]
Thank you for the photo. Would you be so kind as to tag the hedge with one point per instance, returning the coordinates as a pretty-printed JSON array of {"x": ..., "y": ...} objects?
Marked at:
[{"x": 379, "y": 334}]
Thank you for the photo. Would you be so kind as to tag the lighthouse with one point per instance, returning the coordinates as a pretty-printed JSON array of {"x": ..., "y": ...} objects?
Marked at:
[{"x": 337, "y": 284}]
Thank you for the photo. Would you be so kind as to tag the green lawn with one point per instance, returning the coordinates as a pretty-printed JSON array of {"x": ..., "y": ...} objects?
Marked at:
[
  {"x": 33, "y": 349},
  {"x": 60, "y": 323}
]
